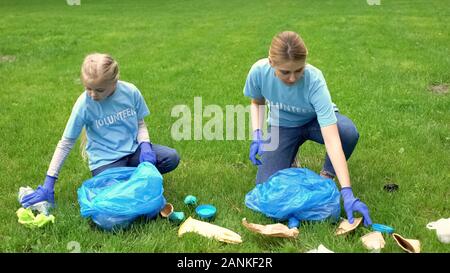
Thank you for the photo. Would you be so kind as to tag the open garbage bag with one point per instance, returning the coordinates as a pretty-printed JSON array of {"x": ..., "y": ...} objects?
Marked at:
[
  {"x": 117, "y": 196},
  {"x": 296, "y": 193}
]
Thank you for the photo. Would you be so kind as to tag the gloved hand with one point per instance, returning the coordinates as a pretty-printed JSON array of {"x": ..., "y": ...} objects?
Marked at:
[
  {"x": 147, "y": 154},
  {"x": 42, "y": 193},
  {"x": 256, "y": 147},
  {"x": 352, "y": 204}
]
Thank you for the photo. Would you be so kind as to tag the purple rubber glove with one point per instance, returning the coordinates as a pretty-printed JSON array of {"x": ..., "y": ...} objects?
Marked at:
[
  {"x": 42, "y": 193},
  {"x": 147, "y": 154},
  {"x": 352, "y": 204},
  {"x": 256, "y": 147}
]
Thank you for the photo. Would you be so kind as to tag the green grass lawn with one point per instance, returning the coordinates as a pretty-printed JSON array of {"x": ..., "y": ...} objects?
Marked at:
[{"x": 379, "y": 62}]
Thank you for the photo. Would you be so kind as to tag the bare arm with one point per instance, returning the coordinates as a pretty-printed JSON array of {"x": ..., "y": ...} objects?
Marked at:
[
  {"x": 142, "y": 132},
  {"x": 334, "y": 149},
  {"x": 257, "y": 112}
]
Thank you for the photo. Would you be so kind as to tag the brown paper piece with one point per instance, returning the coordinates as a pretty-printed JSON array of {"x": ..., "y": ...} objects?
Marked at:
[
  {"x": 345, "y": 226},
  {"x": 373, "y": 240},
  {"x": 408, "y": 245},
  {"x": 273, "y": 230},
  {"x": 167, "y": 210}
]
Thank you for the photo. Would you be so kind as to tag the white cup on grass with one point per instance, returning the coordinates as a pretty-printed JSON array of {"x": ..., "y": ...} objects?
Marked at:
[{"x": 442, "y": 227}]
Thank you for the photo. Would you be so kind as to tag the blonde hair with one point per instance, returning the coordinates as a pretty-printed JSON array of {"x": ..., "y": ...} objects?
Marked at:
[
  {"x": 287, "y": 46},
  {"x": 99, "y": 67},
  {"x": 96, "y": 68}
]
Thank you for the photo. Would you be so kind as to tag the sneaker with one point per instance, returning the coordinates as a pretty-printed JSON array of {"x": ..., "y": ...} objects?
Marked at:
[{"x": 296, "y": 163}]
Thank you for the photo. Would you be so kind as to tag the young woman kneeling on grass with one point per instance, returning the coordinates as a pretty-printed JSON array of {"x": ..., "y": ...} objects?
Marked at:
[
  {"x": 112, "y": 113},
  {"x": 300, "y": 109}
]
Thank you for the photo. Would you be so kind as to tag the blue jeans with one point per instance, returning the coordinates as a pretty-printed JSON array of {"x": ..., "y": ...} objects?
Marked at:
[
  {"x": 167, "y": 160},
  {"x": 291, "y": 138}
]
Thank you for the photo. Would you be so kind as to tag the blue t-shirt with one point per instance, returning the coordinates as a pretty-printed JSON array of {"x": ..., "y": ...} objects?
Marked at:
[
  {"x": 111, "y": 124},
  {"x": 291, "y": 105}
]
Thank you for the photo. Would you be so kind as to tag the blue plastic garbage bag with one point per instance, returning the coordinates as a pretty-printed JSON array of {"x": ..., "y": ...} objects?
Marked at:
[
  {"x": 296, "y": 193},
  {"x": 117, "y": 196}
]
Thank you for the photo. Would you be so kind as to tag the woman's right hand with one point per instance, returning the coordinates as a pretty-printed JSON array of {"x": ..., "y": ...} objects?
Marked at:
[
  {"x": 147, "y": 154},
  {"x": 352, "y": 204},
  {"x": 44, "y": 192},
  {"x": 256, "y": 147}
]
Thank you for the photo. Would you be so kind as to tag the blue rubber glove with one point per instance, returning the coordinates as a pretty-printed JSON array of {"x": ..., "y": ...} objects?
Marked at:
[
  {"x": 293, "y": 222},
  {"x": 352, "y": 204},
  {"x": 256, "y": 147},
  {"x": 147, "y": 154},
  {"x": 42, "y": 193}
]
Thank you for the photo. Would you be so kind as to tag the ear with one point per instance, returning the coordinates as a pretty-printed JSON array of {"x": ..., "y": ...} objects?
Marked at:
[
  {"x": 270, "y": 62},
  {"x": 115, "y": 85}
]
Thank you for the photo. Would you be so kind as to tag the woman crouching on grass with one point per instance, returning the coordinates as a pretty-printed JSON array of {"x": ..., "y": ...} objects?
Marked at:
[
  {"x": 300, "y": 109},
  {"x": 112, "y": 113}
]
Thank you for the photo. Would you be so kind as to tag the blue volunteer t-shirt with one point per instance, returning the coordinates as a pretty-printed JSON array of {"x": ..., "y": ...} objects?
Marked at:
[
  {"x": 111, "y": 124},
  {"x": 295, "y": 105}
]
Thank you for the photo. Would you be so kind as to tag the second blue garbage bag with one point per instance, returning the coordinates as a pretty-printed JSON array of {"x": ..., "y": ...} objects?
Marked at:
[
  {"x": 117, "y": 196},
  {"x": 296, "y": 194}
]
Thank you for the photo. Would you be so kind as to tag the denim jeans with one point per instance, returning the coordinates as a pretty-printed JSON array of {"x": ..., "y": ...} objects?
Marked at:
[
  {"x": 291, "y": 138},
  {"x": 167, "y": 160}
]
